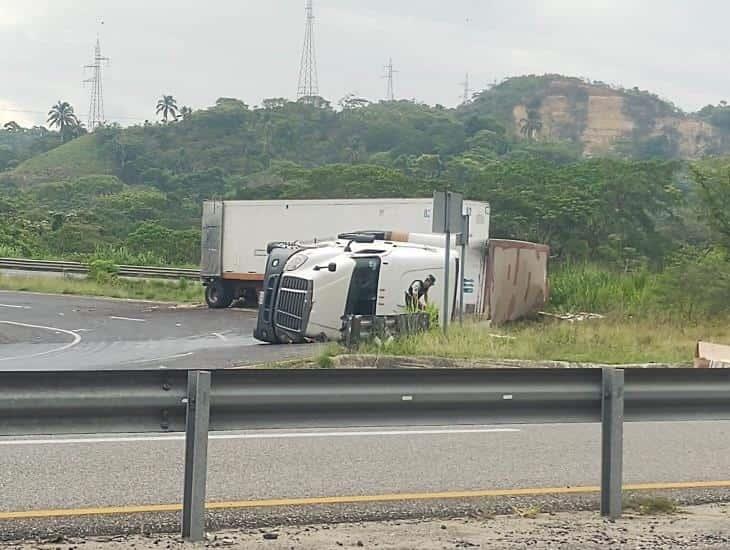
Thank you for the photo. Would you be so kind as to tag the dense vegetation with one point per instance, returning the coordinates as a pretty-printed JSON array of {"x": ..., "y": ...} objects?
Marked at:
[{"x": 133, "y": 195}]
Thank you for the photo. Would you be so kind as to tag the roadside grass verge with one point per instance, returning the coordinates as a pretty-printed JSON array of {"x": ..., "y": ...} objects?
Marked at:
[
  {"x": 614, "y": 340},
  {"x": 164, "y": 291}
]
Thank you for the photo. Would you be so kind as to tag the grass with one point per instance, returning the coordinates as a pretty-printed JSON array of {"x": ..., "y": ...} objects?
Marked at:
[
  {"x": 592, "y": 288},
  {"x": 78, "y": 157},
  {"x": 652, "y": 506},
  {"x": 324, "y": 360},
  {"x": 164, "y": 291},
  {"x": 7, "y": 251},
  {"x": 531, "y": 512},
  {"x": 614, "y": 340}
]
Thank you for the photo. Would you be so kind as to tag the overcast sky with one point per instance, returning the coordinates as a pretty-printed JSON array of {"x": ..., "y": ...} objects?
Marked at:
[{"x": 250, "y": 49}]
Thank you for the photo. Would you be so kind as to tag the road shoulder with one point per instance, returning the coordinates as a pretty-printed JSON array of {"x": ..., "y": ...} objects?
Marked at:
[{"x": 701, "y": 526}]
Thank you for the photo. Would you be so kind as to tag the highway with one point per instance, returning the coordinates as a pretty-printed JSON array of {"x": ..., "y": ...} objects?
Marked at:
[
  {"x": 122, "y": 470},
  {"x": 86, "y": 475},
  {"x": 50, "y": 332}
]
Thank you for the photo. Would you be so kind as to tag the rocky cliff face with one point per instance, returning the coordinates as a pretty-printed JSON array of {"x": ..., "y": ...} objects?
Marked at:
[{"x": 606, "y": 120}]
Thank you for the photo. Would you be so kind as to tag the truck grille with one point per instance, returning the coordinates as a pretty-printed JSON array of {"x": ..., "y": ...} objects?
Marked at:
[{"x": 291, "y": 308}]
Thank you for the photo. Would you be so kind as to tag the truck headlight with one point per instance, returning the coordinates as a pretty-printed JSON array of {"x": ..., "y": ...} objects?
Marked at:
[{"x": 295, "y": 262}]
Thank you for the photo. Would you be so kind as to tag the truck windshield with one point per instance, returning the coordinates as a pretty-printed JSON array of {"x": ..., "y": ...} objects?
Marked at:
[{"x": 362, "y": 297}]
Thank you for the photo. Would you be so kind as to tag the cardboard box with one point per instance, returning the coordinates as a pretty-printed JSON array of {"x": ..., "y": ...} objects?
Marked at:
[{"x": 712, "y": 356}]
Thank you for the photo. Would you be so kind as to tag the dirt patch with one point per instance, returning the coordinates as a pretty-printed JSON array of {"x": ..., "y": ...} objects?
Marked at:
[{"x": 705, "y": 526}]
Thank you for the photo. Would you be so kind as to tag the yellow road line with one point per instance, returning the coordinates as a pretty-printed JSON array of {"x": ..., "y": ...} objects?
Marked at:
[{"x": 356, "y": 499}]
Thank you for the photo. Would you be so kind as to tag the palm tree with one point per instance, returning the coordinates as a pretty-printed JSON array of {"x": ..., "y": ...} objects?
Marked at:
[
  {"x": 531, "y": 126},
  {"x": 12, "y": 126},
  {"x": 167, "y": 106},
  {"x": 63, "y": 117}
]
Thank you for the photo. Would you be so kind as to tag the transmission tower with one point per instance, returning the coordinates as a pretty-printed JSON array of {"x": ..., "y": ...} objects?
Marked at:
[
  {"x": 308, "y": 88},
  {"x": 467, "y": 90},
  {"x": 96, "y": 101},
  {"x": 389, "y": 72}
]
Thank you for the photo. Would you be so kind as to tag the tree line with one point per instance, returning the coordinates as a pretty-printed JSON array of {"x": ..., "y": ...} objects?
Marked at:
[{"x": 623, "y": 213}]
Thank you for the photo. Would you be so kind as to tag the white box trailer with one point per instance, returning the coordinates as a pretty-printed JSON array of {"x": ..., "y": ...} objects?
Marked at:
[{"x": 235, "y": 235}]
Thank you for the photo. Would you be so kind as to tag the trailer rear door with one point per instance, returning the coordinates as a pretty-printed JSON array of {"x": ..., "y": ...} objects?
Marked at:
[{"x": 211, "y": 240}]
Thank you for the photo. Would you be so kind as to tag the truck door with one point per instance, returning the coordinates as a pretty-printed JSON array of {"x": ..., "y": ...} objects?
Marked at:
[
  {"x": 211, "y": 253},
  {"x": 362, "y": 297}
]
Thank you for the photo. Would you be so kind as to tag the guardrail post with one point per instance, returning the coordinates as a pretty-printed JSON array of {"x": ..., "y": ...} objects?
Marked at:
[
  {"x": 612, "y": 440},
  {"x": 196, "y": 455},
  {"x": 356, "y": 331}
]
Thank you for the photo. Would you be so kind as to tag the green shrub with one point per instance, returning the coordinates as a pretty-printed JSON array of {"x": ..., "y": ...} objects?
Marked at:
[
  {"x": 7, "y": 251},
  {"x": 103, "y": 271},
  {"x": 695, "y": 284}
]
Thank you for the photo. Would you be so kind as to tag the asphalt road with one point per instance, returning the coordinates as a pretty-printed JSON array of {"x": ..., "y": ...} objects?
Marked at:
[
  {"x": 39, "y": 332},
  {"x": 47, "y": 332},
  {"x": 50, "y": 473}
]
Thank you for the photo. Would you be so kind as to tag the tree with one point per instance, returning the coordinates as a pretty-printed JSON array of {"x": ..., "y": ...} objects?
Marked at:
[
  {"x": 351, "y": 101},
  {"x": 185, "y": 112},
  {"x": 167, "y": 105},
  {"x": 714, "y": 187},
  {"x": 12, "y": 127},
  {"x": 531, "y": 125},
  {"x": 63, "y": 117},
  {"x": 274, "y": 103}
]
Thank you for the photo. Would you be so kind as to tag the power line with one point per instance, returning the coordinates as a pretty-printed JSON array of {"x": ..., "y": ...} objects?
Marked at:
[
  {"x": 390, "y": 92},
  {"x": 308, "y": 87},
  {"x": 31, "y": 112},
  {"x": 96, "y": 99}
]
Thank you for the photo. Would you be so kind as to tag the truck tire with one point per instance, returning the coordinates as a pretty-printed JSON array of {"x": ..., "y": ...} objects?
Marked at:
[{"x": 218, "y": 295}]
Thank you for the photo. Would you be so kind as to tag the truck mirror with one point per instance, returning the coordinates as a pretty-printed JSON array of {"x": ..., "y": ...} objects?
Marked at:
[{"x": 332, "y": 267}]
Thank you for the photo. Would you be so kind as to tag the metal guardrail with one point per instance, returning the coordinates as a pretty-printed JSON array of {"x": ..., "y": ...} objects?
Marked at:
[
  {"x": 359, "y": 328},
  {"x": 199, "y": 401},
  {"x": 52, "y": 266}
]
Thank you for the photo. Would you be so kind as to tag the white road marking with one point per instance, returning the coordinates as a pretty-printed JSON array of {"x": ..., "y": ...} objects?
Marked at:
[
  {"x": 220, "y": 336},
  {"x": 14, "y": 306},
  {"x": 82, "y": 330},
  {"x": 76, "y": 340},
  {"x": 127, "y": 319},
  {"x": 274, "y": 435},
  {"x": 164, "y": 358}
]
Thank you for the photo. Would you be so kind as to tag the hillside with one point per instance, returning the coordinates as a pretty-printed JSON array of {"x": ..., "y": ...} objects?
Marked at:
[
  {"x": 552, "y": 154},
  {"x": 79, "y": 157},
  {"x": 602, "y": 119},
  {"x": 554, "y": 117}
]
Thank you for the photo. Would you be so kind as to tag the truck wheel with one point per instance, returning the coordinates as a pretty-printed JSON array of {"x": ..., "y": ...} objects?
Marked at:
[{"x": 218, "y": 295}]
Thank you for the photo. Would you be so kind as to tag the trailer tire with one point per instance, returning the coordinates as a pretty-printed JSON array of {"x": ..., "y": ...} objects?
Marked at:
[{"x": 218, "y": 295}]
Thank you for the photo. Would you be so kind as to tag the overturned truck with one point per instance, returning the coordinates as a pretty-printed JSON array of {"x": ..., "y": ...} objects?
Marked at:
[{"x": 311, "y": 290}]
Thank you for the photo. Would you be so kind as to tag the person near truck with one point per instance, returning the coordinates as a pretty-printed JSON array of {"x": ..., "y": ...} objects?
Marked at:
[{"x": 417, "y": 293}]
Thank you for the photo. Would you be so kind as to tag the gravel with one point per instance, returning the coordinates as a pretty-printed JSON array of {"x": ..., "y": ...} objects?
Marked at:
[{"x": 701, "y": 526}]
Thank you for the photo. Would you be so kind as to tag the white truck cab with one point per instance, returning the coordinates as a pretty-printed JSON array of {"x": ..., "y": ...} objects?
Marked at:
[{"x": 310, "y": 289}]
